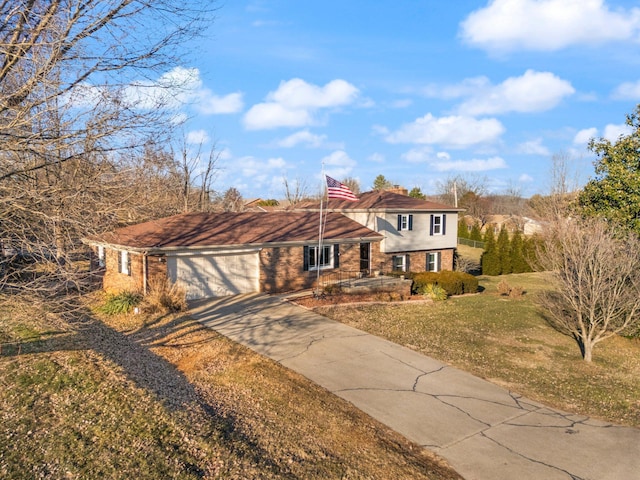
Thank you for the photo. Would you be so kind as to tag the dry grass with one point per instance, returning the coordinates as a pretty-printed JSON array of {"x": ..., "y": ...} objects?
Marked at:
[
  {"x": 505, "y": 340},
  {"x": 136, "y": 396}
]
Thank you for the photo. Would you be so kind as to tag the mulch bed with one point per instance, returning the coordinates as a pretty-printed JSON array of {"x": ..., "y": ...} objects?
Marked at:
[{"x": 344, "y": 298}]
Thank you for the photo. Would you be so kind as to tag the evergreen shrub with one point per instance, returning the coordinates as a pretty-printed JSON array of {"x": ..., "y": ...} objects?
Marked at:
[{"x": 454, "y": 283}]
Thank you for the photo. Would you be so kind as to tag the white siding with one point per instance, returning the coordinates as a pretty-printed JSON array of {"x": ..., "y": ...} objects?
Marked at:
[{"x": 419, "y": 238}]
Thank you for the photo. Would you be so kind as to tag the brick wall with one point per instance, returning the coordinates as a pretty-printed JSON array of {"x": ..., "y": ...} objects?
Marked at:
[
  {"x": 114, "y": 282},
  {"x": 156, "y": 269},
  {"x": 282, "y": 268},
  {"x": 418, "y": 260}
]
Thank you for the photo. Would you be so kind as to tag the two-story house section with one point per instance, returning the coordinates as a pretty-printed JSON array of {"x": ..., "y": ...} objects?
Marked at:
[{"x": 419, "y": 235}]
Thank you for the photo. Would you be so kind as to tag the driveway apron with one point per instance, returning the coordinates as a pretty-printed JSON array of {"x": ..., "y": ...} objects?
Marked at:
[{"x": 484, "y": 431}]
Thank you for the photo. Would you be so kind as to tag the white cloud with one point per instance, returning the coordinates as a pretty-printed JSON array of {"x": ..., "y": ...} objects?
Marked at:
[
  {"x": 297, "y": 93},
  {"x": 209, "y": 103},
  {"x": 585, "y": 135},
  {"x": 178, "y": 88},
  {"x": 628, "y": 91},
  {"x": 524, "y": 178},
  {"x": 418, "y": 155},
  {"x": 273, "y": 115},
  {"x": 338, "y": 164},
  {"x": 613, "y": 132},
  {"x": 339, "y": 158},
  {"x": 533, "y": 147},
  {"x": 225, "y": 154},
  {"x": 295, "y": 103},
  {"x": 258, "y": 168},
  {"x": 475, "y": 165},
  {"x": 547, "y": 25},
  {"x": 376, "y": 157},
  {"x": 308, "y": 139},
  {"x": 454, "y": 131},
  {"x": 531, "y": 92},
  {"x": 198, "y": 137}
]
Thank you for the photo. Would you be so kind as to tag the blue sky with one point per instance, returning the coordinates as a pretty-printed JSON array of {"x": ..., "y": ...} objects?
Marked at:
[{"x": 418, "y": 91}]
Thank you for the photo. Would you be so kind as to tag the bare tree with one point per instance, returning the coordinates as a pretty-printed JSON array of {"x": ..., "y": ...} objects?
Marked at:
[
  {"x": 563, "y": 185},
  {"x": 353, "y": 184},
  {"x": 466, "y": 192},
  {"x": 196, "y": 177},
  {"x": 231, "y": 200},
  {"x": 296, "y": 191},
  {"x": 597, "y": 281},
  {"x": 206, "y": 178},
  {"x": 80, "y": 84}
]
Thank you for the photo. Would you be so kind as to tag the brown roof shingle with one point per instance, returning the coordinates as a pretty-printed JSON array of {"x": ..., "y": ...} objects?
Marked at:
[
  {"x": 380, "y": 200},
  {"x": 233, "y": 229}
]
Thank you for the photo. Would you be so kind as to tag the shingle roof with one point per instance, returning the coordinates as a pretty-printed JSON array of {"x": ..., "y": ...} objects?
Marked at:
[
  {"x": 380, "y": 200},
  {"x": 234, "y": 229}
]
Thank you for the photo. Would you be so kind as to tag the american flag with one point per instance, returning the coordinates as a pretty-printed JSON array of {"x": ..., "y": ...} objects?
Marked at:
[{"x": 335, "y": 189}]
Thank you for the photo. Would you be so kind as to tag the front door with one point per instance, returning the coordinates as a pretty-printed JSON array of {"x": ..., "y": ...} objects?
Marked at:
[{"x": 365, "y": 258}]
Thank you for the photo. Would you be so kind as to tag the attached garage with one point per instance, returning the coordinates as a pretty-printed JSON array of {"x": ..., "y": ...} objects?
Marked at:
[{"x": 215, "y": 275}]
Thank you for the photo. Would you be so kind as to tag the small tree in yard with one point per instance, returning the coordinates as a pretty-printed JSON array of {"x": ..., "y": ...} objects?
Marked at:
[
  {"x": 597, "y": 280},
  {"x": 504, "y": 251},
  {"x": 475, "y": 233},
  {"x": 490, "y": 260}
]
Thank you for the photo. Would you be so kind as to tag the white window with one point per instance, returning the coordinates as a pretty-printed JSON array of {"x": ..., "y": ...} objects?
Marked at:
[
  {"x": 324, "y": 260},
  {"x": 438, "y": 224},
  {"x": 405, "y": 222},
  {"x": 124, "y": 263},
  {"x": 101, "y": 256},
  {"x": 399, "y": 263},
  {"x": 433, "y": 262}
]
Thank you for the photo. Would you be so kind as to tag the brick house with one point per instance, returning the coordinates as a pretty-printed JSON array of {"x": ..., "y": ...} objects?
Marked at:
[{"x": 216, "y": 254}]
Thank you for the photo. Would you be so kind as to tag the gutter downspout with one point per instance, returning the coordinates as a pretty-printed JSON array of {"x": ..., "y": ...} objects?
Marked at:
[{"x": 144, "y": 273}]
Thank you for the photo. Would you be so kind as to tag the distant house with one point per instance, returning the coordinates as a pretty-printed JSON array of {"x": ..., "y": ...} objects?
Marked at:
[{"x": 216, "y": 254}]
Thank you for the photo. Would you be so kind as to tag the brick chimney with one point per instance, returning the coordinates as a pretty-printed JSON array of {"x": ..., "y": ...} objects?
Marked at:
[{"x": 398, "y": 189}]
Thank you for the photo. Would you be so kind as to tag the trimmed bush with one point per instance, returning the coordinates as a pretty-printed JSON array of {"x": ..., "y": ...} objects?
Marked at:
[{"x": 454, "y": 283}]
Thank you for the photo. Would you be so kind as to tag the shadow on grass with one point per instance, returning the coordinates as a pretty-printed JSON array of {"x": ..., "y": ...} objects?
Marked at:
[{"x": 131, "y": 351}]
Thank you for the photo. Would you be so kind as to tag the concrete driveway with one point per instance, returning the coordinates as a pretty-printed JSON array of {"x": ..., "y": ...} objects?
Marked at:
[{"x": 484, "y": 431}]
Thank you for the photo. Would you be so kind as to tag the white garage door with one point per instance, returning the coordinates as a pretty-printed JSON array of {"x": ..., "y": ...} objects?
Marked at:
[{"x": 205, "y": 276}]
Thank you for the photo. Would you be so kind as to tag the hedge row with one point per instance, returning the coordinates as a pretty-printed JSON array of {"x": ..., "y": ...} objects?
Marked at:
[{"x": 454, "y": 283}]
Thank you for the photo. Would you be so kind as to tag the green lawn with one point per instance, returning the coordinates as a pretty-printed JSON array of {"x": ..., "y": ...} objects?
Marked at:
[{"x": 506, "y": 341}]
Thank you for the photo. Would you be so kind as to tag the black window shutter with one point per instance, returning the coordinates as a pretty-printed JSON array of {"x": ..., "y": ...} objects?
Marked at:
[
  {"x": 336, "y": 256},
  {"x": 438, "y": 257},
  {"x": 119, "y": 262},
  {"x": 431, "y": 225},
  {"x": 410, "y": 222},
  {"x": 128, "y": 264},
  {"x": 444, "y": 224},
  {"x": 399, "y": 222},
  {"x": 305, "y": 265},
  {"x": 407, "y": 264}
]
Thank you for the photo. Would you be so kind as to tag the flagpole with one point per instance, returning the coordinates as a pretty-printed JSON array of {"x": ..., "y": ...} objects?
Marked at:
[{"x": 320, "y": 233}]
